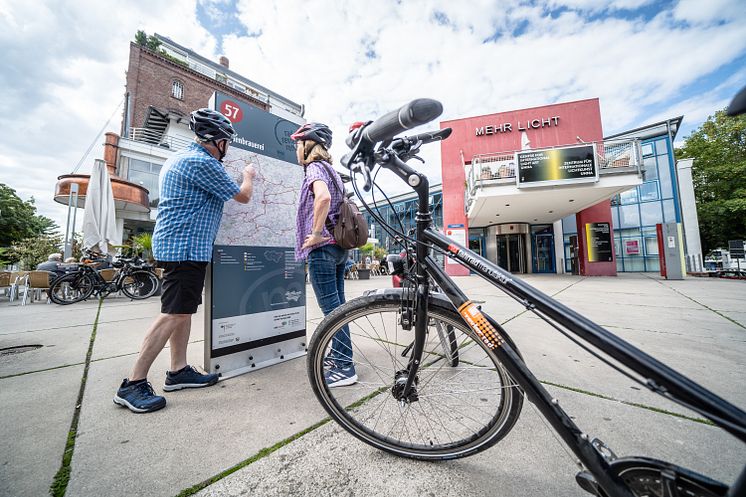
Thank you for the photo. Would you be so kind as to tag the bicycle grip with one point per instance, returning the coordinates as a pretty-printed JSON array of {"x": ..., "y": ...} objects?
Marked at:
[{"x": 415, "y": 113}]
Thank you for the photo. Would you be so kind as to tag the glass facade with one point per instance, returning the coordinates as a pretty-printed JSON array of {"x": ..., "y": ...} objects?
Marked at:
[
  {"x": 635, "y": 212},
  {"x": 404, "y": 211}
]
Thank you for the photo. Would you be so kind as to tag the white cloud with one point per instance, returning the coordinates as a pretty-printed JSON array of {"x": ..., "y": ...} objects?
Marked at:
[{"x": 64, "y": 64}]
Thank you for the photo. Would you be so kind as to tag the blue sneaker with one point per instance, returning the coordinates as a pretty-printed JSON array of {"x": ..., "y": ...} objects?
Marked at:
[
  {"x": 340, "y": 377},
  {"x": 329, "y": 363},
  {"x": 139, "y": 397},
  {"x": 188, "y": 378}
]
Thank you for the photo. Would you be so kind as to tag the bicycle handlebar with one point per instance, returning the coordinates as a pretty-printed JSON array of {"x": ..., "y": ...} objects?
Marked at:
[{"x": 415, "y": 113}]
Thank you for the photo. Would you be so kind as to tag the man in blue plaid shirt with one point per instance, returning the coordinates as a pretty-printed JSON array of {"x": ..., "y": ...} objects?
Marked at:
[{"x": 193, "y": 189}]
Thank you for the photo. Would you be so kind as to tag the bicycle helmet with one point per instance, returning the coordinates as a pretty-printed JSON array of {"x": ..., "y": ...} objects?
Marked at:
[
  {"x": 211, "y": 125},
  {"x": 317, "y": 132}
]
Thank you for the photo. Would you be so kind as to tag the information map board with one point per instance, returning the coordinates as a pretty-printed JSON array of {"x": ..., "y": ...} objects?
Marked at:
[{"x": 255, "y": 290}]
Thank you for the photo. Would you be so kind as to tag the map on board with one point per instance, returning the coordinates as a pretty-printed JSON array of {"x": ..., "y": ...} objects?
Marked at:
[{"x": 269, "y": 219}]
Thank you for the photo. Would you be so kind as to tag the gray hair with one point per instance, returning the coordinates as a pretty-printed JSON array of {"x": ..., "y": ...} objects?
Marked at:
[{"x": 55, "y": 257}]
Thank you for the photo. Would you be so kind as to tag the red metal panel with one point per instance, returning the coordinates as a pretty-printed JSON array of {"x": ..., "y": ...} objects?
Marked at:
[{"x": 599, "y": 213}]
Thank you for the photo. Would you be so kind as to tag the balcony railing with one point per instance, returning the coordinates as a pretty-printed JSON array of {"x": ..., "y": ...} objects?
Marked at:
[
  {"x": 500, "y": 168},
  {"x": 158, "y": 139}
]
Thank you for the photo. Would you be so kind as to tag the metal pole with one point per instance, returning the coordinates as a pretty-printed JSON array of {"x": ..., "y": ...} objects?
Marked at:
[
  {"x": 74, "y": 190},
  {"x": 68, "y": 239}
]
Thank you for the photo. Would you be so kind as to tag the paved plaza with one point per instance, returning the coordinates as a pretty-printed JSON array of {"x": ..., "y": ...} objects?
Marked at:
[{"x": 269, "y": 423}]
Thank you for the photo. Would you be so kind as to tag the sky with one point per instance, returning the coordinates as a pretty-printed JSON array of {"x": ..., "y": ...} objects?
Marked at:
[{"x": 62, "y": 64}]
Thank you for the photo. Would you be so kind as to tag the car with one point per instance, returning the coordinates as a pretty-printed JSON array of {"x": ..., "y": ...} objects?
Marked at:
[{"x": 732, "y": 274}]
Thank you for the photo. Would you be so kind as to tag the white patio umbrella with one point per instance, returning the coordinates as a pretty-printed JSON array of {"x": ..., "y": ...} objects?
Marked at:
[{"x": 99, "y": 220}]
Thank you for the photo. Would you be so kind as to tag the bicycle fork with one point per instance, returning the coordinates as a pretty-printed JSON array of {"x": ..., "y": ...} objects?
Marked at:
[{"x": 406, "y": 380}]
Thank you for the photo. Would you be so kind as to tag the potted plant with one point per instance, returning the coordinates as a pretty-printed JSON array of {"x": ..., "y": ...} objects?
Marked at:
[
  {"x": 143, "y": 245},
  {"x": 363, "y": 270}
]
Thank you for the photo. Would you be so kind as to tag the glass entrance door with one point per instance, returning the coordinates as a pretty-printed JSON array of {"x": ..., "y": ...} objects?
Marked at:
[
  {"x": 543, "y": 253},
  {"x": 511, "y": 253}
]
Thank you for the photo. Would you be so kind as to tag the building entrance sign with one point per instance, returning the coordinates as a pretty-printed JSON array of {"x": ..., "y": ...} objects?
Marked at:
[
  {"x": 556, "y": 166},
  {"x": 598, "y": 236},
  {"x": 255, "y": 291}
]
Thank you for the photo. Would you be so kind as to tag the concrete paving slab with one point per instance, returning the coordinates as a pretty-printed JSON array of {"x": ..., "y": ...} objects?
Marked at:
[
  {"x": 715, "y": 364},
  {"x": 60, "y": 347},
  {"x": 738, "y": 317},
  {"x": 39, "y": 316},
  {"x": 529, "y": 461},
  {"x": 36, "y": 413},
  {"x": 715, "y": 293},
  {"x": 198, "y": 434}
]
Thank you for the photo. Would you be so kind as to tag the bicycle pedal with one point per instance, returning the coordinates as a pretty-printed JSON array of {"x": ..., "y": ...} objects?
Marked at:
[{"x": 587, "y": 482}]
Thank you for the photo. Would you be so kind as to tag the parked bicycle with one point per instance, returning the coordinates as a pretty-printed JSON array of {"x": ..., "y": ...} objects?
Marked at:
[
  {"x": 414, "y": 400},
  {"x": 133, "y": 277}
]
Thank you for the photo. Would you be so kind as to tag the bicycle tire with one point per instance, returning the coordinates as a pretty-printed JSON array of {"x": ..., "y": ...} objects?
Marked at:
[
  {"x": 356, "y": 401},
  {"x": 139, "y": 285},
  {"x": 71, "y": 288}
]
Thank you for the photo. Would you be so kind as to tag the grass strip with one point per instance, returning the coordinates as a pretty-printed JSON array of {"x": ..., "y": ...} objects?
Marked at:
[
  {"x": 62, "y": 478},
  {"x": 41, "y": 370},
  {"x": 633, "y": 404},
  {"x": 259, "y": 455}
]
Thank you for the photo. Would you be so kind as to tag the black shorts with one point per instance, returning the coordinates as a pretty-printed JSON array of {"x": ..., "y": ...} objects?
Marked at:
[{"x": 182, "y": 286}]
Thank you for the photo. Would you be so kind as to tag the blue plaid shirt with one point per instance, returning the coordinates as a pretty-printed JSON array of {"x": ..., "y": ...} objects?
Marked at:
[{"x": 193, "y": 188}]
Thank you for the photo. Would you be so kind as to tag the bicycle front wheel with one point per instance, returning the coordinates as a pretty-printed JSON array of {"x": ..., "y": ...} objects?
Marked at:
[
  {"x": 139, "y": 285},
  {"x": 466, "y": 401},
  {"x": 71, "y": 288}
]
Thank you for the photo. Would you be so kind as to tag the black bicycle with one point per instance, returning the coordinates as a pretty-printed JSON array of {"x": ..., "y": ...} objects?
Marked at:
[
  {"x": 132, "y": 276},
  {"x": 413, "y": 400}
]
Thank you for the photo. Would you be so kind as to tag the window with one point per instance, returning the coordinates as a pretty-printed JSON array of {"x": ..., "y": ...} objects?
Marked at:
[
  {"x": 145, "y": 174},
  {"x": 629, "y": 216},
  {"x": 177, "y": 89},
  {"x": 628, "y": 197},
  {"x": 650, "y": 213},
  {"x": 648, "y": 191}
]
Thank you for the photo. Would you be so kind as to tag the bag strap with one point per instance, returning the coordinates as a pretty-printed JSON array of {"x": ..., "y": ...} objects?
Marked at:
[{"x": 330, "y": 171}]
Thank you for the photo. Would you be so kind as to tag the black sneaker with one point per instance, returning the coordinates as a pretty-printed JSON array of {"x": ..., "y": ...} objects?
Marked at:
[
  {"x": 139, "y": 397},
  {"x": 188, "y": 378}
]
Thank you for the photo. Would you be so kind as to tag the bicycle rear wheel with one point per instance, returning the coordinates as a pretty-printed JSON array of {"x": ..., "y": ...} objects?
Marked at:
[
  {"x": 464, "y": 406},
  {"x": 71, "y": 288},
  {"x": 648, "y": 477},
  {"x": 139, "y": 285}
]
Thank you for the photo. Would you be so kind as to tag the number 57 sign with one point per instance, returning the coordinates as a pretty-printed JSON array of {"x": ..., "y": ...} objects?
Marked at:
[{"x": 232, "y": 111}]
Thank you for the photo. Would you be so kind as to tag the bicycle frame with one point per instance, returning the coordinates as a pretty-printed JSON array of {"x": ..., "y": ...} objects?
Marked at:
[{"x": 657, "y": 376}]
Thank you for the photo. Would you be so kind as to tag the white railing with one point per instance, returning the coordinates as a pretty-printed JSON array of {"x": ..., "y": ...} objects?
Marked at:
[{"x": 156, "y": 138}]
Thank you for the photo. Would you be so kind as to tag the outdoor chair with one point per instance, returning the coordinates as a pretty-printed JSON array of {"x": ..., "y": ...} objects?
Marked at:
[
  {"x": 5, "y": 282},
  {"x": 36, "y": 282},
  {"x": 17, "y": 280},
  {"x": 108, "y": 274}
]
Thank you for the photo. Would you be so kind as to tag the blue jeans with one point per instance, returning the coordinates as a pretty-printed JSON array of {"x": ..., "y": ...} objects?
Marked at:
[{"x": 326, "y": 268}]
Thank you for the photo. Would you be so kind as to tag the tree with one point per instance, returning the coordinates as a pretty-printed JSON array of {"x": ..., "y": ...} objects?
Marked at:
[
  {"x": 718, "y": 148},
  {"x": 153, "y": 43},
  {"x": 18, "y": 219},
  {"x": 32, "y": 251},
  {"x": 141, "y": 38}
]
